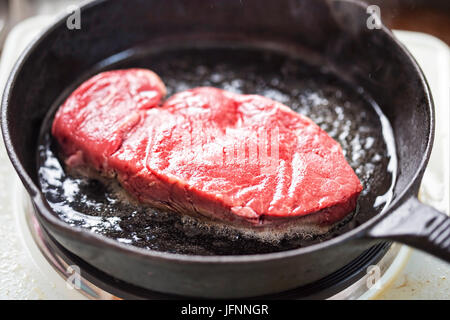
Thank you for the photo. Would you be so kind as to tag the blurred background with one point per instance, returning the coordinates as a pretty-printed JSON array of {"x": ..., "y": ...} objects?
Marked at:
[{"x": 428, "y": 16}]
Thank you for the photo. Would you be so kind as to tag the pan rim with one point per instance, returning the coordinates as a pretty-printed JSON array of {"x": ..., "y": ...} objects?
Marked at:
[{"x": 45, "y": 212}]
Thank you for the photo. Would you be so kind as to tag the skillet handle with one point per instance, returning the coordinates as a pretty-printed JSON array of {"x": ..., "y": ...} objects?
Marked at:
[{"x": 417, "y": 225}]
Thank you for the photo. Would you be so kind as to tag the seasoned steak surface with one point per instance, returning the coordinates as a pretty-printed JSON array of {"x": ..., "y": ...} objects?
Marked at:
[{"x": 241, "y": 159}]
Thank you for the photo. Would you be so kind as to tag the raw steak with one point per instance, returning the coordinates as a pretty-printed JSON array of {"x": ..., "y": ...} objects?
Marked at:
[{"x": 242, "y": 160}]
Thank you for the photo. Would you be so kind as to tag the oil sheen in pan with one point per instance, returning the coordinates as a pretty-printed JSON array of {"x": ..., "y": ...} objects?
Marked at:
[{"x": 349, "y": 116}]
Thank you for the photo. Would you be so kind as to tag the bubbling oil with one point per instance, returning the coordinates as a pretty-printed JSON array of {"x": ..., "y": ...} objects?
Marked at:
[{"x": 344, "y": 111}]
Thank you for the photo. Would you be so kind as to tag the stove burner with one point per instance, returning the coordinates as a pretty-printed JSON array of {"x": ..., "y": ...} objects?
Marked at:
[{"x": 348, "y": 282}]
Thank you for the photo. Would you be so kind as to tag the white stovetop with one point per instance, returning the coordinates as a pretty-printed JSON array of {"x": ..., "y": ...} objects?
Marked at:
[{"x": 25, "y": 274}]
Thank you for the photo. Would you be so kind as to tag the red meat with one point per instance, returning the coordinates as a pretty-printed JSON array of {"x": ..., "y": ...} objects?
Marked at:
[{"x": 244, "y": 160}]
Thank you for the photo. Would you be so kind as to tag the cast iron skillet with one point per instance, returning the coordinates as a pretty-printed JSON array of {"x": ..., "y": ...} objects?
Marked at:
[{"x": 330, "y": 32}]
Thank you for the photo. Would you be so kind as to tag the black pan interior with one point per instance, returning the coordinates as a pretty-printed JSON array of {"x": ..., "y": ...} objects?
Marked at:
[{"x": 344, "y": 110}]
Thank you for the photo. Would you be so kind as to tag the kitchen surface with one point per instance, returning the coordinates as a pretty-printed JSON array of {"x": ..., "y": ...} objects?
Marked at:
[{"x": 27, "y": 271}]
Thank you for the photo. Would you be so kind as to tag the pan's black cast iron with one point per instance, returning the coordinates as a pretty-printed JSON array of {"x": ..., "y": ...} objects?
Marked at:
[
  {"x": 354, "y": 120},
  {"x": 329, "y": 33}
]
